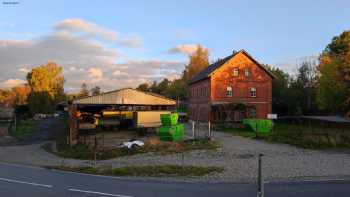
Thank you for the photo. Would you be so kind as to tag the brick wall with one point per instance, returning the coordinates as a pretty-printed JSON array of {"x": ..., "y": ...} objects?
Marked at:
[{"x": 241, "y": 84}]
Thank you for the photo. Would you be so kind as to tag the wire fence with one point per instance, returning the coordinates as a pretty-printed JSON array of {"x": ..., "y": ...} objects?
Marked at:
[{"x": 200, "y": 130}]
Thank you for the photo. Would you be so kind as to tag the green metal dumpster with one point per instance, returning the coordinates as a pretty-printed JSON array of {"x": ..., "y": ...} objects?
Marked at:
[
  {"x": 171, "y": 133},
  {"x": 169, "y": 119},
  {"x": 170, "y": 130},
  {"x": 263, "y": 126}
]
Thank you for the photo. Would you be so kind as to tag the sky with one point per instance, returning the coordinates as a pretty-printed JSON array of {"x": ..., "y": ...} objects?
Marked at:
[{"x": 116, "y": 44}]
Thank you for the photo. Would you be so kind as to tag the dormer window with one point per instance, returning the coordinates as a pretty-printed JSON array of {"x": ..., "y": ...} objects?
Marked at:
[
  {"x": 235, "y": 72},
  {"x": 247, "y": 72}
]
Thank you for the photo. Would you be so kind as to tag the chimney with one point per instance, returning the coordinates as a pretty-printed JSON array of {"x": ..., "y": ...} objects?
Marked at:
[{"x": 234, "y": 51}]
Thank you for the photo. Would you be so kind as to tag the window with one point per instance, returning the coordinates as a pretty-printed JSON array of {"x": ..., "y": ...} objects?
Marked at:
[
  {"x": 235, "y": 72},
  {"x": 247, "y": 72},
  {"x": 229, "y": 92},
  {"x": 252, "y": 92}
]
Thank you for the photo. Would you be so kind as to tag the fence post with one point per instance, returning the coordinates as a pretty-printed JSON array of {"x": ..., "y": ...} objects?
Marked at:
[
  {"x": 95, "y": 151},
  {"x": 193, "y": 134},
  {"x": 260, "y": 178},
  {"x": 209, "y": 130}
]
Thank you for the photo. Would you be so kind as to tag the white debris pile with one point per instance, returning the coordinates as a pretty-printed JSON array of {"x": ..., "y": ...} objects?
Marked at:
[{"x": 132, "y": 144}]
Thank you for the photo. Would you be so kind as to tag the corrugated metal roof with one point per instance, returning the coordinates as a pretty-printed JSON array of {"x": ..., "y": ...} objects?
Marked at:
[{"x": 127, "y": 96}]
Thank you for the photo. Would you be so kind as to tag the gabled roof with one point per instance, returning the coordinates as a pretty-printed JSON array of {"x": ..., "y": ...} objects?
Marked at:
[
  {"x": 126, "y": 96},
  {"x": 211, "y": 68}
]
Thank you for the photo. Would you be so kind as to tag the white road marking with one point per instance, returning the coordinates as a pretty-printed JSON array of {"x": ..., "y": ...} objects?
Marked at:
[
  {"x": 23, "y": 182},
  {"x": 21, "y": 165},
  {"x": 322, "y": 180},
  {"x": 100, "y": 193}
]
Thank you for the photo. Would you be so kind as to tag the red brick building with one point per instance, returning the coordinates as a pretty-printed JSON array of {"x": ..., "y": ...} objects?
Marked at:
[{"x": 231, "y": 89}]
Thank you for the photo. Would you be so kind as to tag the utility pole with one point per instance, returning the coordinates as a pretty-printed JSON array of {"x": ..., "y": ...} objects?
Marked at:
[{"x": 260, "y": 178}]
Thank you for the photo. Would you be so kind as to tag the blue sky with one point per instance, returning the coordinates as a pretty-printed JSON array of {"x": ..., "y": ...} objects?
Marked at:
[{"x": 148, "y": 32}]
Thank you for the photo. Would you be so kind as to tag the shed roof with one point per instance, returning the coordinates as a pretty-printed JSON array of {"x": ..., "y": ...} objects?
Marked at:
[
  {"x": 126, "y": 96},
  {"x": 211, "y": 68}
]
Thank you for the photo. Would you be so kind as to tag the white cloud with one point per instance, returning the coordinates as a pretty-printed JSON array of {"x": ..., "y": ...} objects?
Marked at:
[
  {"x": 24, "y": 70},
  {"x": 80, "y": 26},
  {"x": 120, "y": 73},
  {"x": 85, "y": 58},
  {"x": 95, "y": 73},
  {"x": 12, "y": 83},
  {"x": 131, "y": 41},
  {"x": 184, "y": 49}
]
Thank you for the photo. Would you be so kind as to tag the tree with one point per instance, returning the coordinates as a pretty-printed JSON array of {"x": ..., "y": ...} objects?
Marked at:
[
  {"x": 47, "y": 78},
  {"x": 280, "y": 91},
  {"x": 305, "y": 86},
  {"x": 331, "y": 94},
  {"x": 84, "y": 92},
  {"x": 163, "y": 87},
  {"x": 154, "y": 87},
  {"x": 40, "y": 102},
  {"x": 95, "y": 91},
  {"x": 21, "y": 94},
  {"x": 176, "y": 89},
  {"x": 143, "y": 87},
  {"x": 334, "y": 75},
  {"x": 197, "y": 62}
]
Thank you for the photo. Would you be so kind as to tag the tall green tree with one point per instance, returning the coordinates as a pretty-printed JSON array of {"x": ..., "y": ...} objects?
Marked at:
[
  {"x": 331, "y": 94},
  {"x": 163, "y": 87},
  {"x": 198, "y": 61},
  {"x": 334, "y": 75},
  {"x": 143, "y": 87},
  {"x": 47, "y": 78},
  {"x": 84, "y": 91},
  {"x": 46, "y": 84},
  {"x": 304, "y": 86}
]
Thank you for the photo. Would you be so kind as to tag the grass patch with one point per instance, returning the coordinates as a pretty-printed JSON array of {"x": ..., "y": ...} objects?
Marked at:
[
  {"x": 305, "y": 137},
  {"x": 148, "y": 171},
  {"x": 24, "y": 129},
  {"x": 82, "y": 151},
  {"x": 298, "y": 135}
]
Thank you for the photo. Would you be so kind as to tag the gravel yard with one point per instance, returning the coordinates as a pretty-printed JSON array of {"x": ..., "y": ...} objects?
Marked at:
[{"x": 238, "y": 156}]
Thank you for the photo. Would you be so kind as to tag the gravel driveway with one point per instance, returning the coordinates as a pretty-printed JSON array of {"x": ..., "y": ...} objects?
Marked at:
[{"x": 238, "y": 156}]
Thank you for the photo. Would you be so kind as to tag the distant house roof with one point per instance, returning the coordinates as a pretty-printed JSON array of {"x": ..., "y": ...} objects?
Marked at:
[
  {"x": 127, "y": 96},
  {"x": 211, "y": 68}
]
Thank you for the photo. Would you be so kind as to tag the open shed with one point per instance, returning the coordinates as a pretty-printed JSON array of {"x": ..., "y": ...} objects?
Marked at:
[{"x": 127, "y": 108}]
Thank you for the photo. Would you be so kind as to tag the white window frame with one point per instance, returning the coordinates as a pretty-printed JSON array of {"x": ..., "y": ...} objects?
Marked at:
[
  {"x": 252, "y": 92},
  {"x": 247, "y": 72},
  {"x": 229, "y": 91},
  {"x": 235, "y": 72}
]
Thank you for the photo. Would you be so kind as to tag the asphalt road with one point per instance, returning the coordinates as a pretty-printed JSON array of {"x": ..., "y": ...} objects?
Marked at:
[{"x": 34, "y": 182}]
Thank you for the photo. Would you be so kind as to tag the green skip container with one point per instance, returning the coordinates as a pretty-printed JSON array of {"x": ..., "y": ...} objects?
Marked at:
[
  {"x": 171, "y": 133},
  {"x": 263, "y": 126},
  {"x": 169, "y": 119}
]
